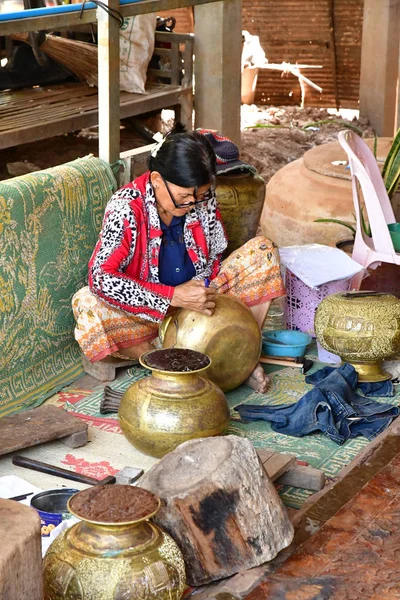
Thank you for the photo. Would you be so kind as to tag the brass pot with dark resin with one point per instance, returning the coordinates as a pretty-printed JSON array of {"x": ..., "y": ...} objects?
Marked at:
[
  {"x": 363, "y": 328},
  {"x": 98, "y": 559},
  {"x": 159, "y": 412}
]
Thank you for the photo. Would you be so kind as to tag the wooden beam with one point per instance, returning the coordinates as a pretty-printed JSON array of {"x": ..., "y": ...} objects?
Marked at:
[
  {"x": 72, "y": 19},
  {"x": 108, "y": 83},
  {"x": 379, "y": 64},
  {"x": 218, "y": 47},
  {"x": 300, "y": 476},
  {"x": 332, "y": 47}
]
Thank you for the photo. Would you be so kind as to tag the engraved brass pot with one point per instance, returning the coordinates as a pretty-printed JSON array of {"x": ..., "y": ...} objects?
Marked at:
[
  {"x": 231, "y": 337},
  {"x": 160, "y": 412},
  {"x": 240, "y": 199},
  {"x": 363, "y": 328},
  {"x": 114, "y": 561}
]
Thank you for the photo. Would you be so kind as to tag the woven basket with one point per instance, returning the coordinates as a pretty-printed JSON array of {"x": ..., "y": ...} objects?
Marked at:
[{"x": 302, "y": 301}]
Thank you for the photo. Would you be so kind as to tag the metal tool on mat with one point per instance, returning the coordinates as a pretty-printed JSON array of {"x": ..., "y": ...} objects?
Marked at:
[
  {"x": 304, "y": 364},
  {"x": 110, "y": 401},
  {"x": 126, "y": 476}
]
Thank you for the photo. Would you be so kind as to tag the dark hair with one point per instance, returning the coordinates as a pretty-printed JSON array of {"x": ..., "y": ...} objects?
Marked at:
[{"x": 186, "y": 159}]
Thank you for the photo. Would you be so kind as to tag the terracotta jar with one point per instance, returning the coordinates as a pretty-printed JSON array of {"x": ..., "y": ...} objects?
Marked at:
[
  {"x": 363, "y": 328},
  {"x": 240, "y": 199},
  {"x": 101, "y": 558},
  {"x": 172, "y": 405},
  {"x": 313, "y": 188}
]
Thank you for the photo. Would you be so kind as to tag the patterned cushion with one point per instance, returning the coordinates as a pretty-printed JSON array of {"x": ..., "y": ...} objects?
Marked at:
[{"x": 49, "y": 223}]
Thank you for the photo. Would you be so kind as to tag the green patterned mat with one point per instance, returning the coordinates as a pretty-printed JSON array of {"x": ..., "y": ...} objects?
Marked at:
[
  {"x": 287, "y": 385},
  {"x": 49, "y": 224}
]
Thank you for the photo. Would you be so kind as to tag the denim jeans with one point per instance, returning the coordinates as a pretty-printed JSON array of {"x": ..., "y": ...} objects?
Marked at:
[
  {"x": 331, "y": 407},
  {"x": 376, "y": 389}
]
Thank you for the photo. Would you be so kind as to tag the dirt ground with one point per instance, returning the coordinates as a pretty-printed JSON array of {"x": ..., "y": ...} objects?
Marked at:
[
  {"x": 285, "y": 138},
  {"x": 271, "y": 138}
]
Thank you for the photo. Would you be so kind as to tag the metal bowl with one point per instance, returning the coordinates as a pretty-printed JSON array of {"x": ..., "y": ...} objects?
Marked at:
[{"x": 52, "y": 507}]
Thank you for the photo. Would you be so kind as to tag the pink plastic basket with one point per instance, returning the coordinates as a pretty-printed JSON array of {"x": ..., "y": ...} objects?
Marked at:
[{"x": 302, "y": 301}]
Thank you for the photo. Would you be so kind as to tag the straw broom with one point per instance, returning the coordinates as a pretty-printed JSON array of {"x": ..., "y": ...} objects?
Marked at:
[{"x": 78, "y": 57}]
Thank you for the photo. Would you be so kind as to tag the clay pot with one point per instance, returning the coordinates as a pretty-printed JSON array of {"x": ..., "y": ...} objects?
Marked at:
[
  {"x": 312, "y": 188},
  {"x": 249, "y": 84},
  {"x": 240, "y": 199},
  {"x": 231, "y": 337},
  {"x": 114, "y": 561},
  {"x": 169, "y": 407},
  {"x": 363, "y": 328}
]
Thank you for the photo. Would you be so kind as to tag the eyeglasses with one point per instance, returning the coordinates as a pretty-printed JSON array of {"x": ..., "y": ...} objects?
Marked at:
[{"x": 203, "y": 198}]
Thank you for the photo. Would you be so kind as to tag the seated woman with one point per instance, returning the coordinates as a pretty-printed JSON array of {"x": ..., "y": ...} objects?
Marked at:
[{"x": 159, "y": 247}]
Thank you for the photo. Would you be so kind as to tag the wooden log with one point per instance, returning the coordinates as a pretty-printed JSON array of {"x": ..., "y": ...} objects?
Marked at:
[
  {"x": 20, "y": 552},
  {"x": 220, "y": 507}
]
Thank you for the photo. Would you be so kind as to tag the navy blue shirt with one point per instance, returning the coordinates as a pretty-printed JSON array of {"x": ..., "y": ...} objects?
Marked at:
[{"x": 174, "y": 264}]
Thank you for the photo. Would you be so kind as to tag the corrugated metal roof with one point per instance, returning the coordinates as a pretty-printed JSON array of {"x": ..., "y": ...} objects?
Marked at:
[{"x": 299, "y": 31}]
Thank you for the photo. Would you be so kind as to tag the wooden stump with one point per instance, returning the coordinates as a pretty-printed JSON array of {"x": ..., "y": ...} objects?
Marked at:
[
  {"x": 20, "y": 552},
  {"x": 220, "y": 507}
]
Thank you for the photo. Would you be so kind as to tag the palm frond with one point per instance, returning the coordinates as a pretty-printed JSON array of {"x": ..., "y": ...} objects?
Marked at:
[
  {"x": 391, "y": 168},
  {"x": 337, "y": 121},
  {"x": 338, "y": 222}
]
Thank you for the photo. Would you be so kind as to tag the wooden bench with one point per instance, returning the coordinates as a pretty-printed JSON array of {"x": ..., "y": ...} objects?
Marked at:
[{"x": 34, "y": 114}]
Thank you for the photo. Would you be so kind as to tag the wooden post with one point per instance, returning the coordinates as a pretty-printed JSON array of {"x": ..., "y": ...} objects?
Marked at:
[
  {"x": 332, "y": 46},
  {"x": 379, "y": 64},
  {"x": 218, "y": 48},
  {"x": 108, "y": 75}
]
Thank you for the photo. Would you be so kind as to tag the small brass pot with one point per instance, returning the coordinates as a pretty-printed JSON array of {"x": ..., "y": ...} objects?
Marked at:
[
  {"x": 159, "y": 412},
  {"x": 113, "y": 561},
  {"x": 363, "y": 328}
]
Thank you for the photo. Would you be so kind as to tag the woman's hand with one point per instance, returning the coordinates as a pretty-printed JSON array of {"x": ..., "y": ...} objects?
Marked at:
[{"x": 194, "y": 295}]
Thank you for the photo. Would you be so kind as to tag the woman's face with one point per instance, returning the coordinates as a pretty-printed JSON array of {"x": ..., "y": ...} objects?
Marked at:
[{"x": 170, "y": 197}]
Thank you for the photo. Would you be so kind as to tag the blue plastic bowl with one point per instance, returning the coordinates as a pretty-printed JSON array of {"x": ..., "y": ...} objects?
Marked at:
[{"x": 293, "y": 343}]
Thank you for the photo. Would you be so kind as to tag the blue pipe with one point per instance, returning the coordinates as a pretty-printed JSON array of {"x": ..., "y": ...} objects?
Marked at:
[{"x": 54, "y": 10}]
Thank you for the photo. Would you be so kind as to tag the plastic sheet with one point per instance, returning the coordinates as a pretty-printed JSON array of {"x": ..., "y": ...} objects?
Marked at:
[{"x": 316, "y": 264}]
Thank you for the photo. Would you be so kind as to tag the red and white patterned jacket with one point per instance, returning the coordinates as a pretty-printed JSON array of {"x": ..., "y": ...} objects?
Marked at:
[{"x": 123, "y": 269}]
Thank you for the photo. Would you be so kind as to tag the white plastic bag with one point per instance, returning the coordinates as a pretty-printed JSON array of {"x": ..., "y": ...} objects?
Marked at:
[
  {"x": 136, "y": 45},
  {"x": 316, "y": 264}
]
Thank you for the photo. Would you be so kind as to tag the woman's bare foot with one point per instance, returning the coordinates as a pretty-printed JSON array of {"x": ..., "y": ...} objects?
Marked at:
[{"x": 258, "y": 380}]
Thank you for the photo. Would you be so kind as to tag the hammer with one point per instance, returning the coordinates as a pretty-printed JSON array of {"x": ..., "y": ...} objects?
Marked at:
[{"x": 126, "y": 476}]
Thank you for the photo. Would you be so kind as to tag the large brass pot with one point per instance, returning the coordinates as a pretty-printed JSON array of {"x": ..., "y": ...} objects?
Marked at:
[
  {"x": 363, "y": 328},
  {"x": 231, "y": 337},
  {"x": 114, "y": 561},
  {"x": 161, "y": 411},
  {"x": 240, "y": 199}
]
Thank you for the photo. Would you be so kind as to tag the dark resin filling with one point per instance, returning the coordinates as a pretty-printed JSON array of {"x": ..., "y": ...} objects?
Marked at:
[
  {"x": 114, "y": 503},
  {"x": 176, "y": 359}
]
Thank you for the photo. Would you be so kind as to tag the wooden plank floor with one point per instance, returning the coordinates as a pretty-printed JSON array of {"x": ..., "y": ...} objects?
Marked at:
[{"x": 40, "y": 112}]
